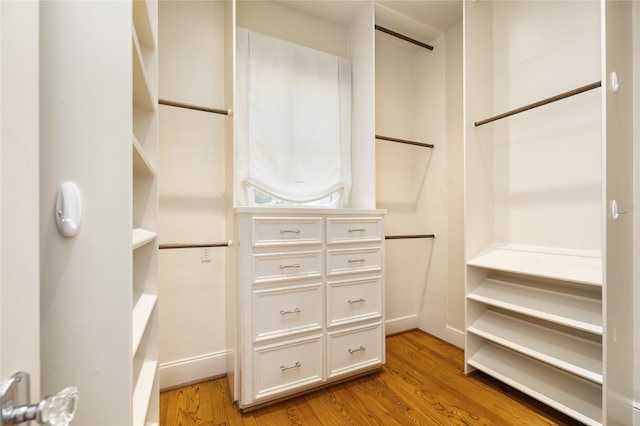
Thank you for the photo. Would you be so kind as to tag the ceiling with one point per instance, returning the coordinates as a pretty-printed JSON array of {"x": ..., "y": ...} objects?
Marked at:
[{"x": 439, "y": 15}]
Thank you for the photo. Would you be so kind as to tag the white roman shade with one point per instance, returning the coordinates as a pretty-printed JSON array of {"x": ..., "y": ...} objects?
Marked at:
[{"x": 293, "y": 122}]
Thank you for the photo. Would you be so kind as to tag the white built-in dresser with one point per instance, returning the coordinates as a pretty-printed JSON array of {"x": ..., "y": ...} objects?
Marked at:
[{"x": 308, "y": 299}]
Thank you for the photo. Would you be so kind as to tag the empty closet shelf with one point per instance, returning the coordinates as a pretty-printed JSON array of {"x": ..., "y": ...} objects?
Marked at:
[
  {"x": 144, "y": 304},
  {"x": 535, "y": 300},
  {"x": 141, "y": 237},
  {"x": 565, "y": 351},
  {"x": 579, "y": 266},
  {"x": 141, "y": 162},
  {"x": 571, "y": 395},
  {"x": 143, "y": 391},
  {"x": 142, "y": 92}
]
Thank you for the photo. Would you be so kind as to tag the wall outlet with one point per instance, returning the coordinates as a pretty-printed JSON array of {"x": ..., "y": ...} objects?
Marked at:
[{"x": 205, "y": 255}]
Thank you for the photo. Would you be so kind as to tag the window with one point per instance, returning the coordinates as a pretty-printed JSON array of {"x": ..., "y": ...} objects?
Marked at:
[{"x": 293, "y": 127}]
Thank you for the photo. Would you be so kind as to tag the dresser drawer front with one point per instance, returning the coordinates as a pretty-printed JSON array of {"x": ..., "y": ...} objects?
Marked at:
[
  {"x": 353, "y": 300},
  {"x": 347, "y": 261},
  {"x": 355, "y": 349},
  {"x": 287, "y": 311},
  {"x": 286, "y": 231},
  {"x": 279, "y": 369},
  {"x": 347, "y": 230},
  {"x": 274, "y": 267}
]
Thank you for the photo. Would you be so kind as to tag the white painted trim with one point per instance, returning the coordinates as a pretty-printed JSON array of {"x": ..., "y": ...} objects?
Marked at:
[
  {"x": 455, "y": 336},
  {"x": 636, "y": 412},
  {"x": 188, "y": 370},
  {"x": 400, "y": 324}
]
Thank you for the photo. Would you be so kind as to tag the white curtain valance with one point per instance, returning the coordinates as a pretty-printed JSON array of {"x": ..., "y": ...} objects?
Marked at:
[{"x": 293, "y": 113}]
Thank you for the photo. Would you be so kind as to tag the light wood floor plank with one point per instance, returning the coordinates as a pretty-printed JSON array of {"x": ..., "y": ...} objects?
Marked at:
[{"x": 422, "y": 384}]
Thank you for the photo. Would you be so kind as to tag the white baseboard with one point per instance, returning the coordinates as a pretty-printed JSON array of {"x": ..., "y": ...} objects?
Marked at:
[
  {"x": 400, "y": 324},
  {"x": 455, "y": 337},
  {"x": 188, "y": 370}
]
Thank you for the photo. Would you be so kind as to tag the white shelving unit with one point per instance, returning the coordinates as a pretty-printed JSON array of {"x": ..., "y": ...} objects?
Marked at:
[
  {"x": 144, "y": 292},
  {"x": 535, "y": 249},
  {"x": 564, "y": 392}
]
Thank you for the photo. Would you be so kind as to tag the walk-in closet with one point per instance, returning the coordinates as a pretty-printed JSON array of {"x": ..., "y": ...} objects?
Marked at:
[
  {"x": 548, "y": 231},
  {"x": 518, "y": 199},
  {"x": 272, "y": 188}
]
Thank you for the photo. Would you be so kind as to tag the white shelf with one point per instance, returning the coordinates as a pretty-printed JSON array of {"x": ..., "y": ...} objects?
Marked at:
[
  {"x": 144, "y": 304},
  {"x": 573, "y": 354},
  {"x": 141, "y": 237},
  {"x": 141, "y": 163},
  {"x": 142, "y": 93},
  {"x": 581, "y": 266},
  {"x": 142, "y": 392},
  {"x": 142, "y": 23},
  {"x": 562, "y": 308},
  {"x": 571, "y": 395}
]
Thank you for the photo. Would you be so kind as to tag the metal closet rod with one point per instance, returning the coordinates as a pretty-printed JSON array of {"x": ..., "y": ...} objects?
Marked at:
[
  {"x": 403, "y": 37},
  {"x": 386, "y": 138},
  {"x": 546, "y": 101},
  {"x": 406, "y": 237},
  {"x": 192, "y": 245},
  {"x": 194, "y": 107}
]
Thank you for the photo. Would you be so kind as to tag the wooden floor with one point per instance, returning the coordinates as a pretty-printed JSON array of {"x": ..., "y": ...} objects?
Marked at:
[{"x": 421, "y": 384}]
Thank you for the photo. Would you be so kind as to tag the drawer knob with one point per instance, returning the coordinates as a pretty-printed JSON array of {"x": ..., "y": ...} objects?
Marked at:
[
  {"x": 357, "y": 229},
  {"x": 355, "y": 260},
  {"x": 295, "y": 265},
  {"x": 351, "y": 301},
  {"x": 289, "y": 231},
  {"x": 296, "y": 365},
  {"x": 292, "y": 311},
  {"x": 361, "y": 348}
]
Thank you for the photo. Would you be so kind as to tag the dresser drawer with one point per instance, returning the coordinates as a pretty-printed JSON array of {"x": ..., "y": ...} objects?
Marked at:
[
  {"x": 346, "y": 261},
  {"x": 347, "y": 230},
  {"x": 286, "y": 367},
  {"x": 286, "y": 311},
  {"x": 354, "y": 349},
  {"x": 353, "y": 300},
  {"x": 286, "y": 231},
  {"x": 274, "y": 267}
]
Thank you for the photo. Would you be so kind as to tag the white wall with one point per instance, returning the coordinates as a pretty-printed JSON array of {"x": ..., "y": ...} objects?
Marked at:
[
  {"x": 544, "y": 196},
  {"x": 455, "y": 185},
  {"x": 413, "y": 181},
  {"x": 191, "y": 192},
  {"x": 419, "y": 97},
  {"x": 85, "y": 137},
  {"x": 636, "y": 131}
]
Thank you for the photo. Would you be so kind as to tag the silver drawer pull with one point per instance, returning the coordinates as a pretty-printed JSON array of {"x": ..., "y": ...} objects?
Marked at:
[
  {"x": 357, "y": 229},
  {"x": 350, "y": 301},
  {"x": 296, "y": 365},
  {"x": 292, "y": 311},
  {"x": 361, "y": 348},
  {"x": 289, "y": 231},
  {"x": 295, "y": 265},
  {"x": 355, "y": 260}
]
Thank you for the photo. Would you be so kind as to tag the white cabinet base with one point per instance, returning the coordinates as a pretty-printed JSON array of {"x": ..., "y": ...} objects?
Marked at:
[{"x": 308, "y": 300}]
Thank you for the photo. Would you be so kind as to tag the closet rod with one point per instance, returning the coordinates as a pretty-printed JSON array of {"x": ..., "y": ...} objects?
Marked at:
[
  {"x": 542, "y": 102},
  {"x": 406, "y": 237},
  {"x": 403, "y": 37},
  {"x": 194, "y": 107},
  {"x": 386, "y": 138},
  {"x": 193, "y": 245}
]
